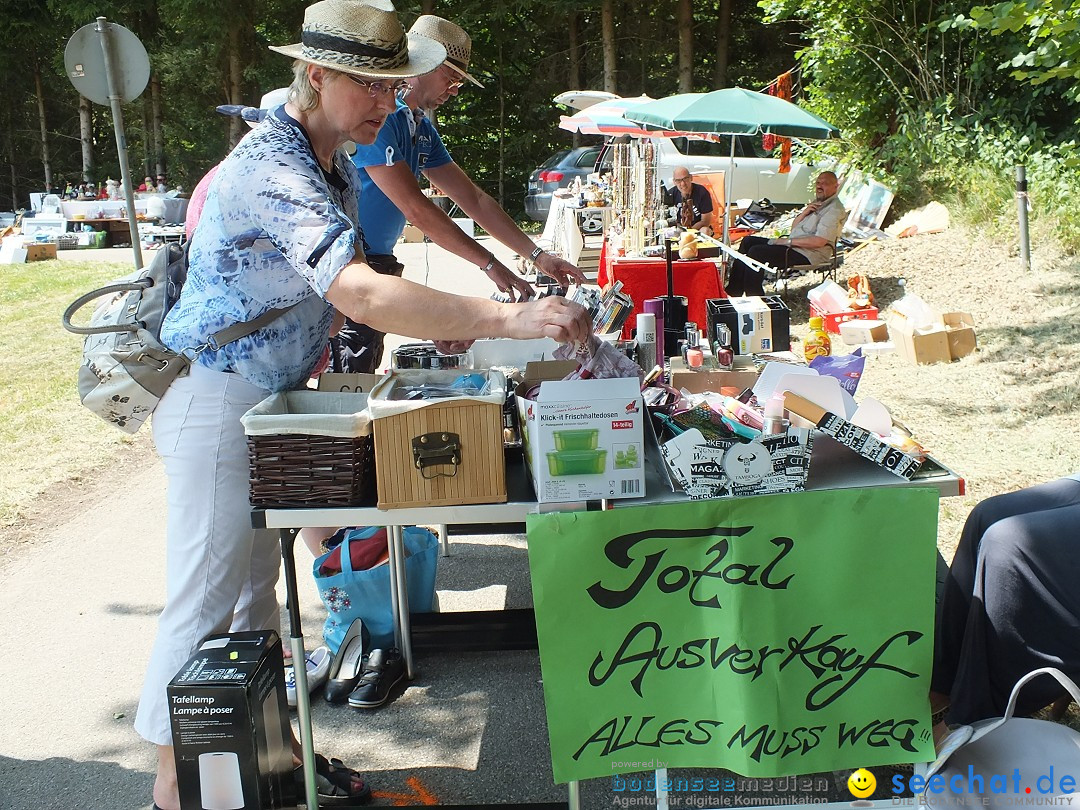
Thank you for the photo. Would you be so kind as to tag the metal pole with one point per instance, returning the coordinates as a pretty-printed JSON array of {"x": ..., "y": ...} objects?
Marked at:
[
  {"x": 102, "y": 28},
  {"x": 1022, "y": 214}
]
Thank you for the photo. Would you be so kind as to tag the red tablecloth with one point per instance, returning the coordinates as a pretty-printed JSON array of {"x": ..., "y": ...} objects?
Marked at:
[{"x": 698, "y": 280}]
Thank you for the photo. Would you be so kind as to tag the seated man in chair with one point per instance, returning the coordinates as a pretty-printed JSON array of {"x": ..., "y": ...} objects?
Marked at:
[
  {"x": 692, "y": 204},
  {"x": 814, "y": 231}
]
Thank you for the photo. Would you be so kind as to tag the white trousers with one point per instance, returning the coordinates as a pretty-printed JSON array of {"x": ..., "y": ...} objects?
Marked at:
[{"x": 220, "y": 573}]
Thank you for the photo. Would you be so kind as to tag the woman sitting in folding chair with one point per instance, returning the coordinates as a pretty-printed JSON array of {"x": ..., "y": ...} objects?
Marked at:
[{"x": 813, "y": 235}]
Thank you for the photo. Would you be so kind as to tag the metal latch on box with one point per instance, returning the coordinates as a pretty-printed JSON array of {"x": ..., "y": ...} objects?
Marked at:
[{"x": 436, "y": 449}]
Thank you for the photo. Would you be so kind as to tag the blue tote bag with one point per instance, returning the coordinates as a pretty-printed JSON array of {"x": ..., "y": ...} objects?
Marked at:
[{"x": 365, "y": 594}]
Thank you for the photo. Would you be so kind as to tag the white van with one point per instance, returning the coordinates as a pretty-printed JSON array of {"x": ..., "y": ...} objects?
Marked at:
[{"x": 756, "y": 174}]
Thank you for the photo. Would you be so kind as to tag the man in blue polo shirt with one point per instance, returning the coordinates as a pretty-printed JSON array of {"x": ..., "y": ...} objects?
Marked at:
[{"x": 407, "y": 145}]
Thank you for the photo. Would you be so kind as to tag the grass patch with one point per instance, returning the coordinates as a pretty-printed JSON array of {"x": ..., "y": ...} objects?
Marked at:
[{"x": 46, "y": 436}]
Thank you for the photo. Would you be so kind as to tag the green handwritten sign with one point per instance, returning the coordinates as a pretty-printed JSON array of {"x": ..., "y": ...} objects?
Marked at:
[{"x": 771, "y": 636}]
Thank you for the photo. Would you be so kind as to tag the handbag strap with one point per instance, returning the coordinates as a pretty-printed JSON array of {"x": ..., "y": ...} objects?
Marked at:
[
  {"x": 236, "y": 331},
  {"x": 1053, "y": 672},
  {"x": 110, "y": 289}
]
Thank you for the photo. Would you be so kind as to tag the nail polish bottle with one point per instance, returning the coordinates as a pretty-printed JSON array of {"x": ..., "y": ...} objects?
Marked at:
[{"x": 722, "y": 351}]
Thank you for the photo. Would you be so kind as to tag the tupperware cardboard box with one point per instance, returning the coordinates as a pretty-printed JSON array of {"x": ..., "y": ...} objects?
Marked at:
[
  {"x": 230, "y": 725},
  {"x": 757, "y": 324},
  {"x": 583, "y": 439},
  {"x": 951, "y": 337}
]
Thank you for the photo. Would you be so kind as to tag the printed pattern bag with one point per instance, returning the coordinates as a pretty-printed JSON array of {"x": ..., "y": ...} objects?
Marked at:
[
  {"x": 126, "y": 369},
  {"x": 366, "y": 594}
]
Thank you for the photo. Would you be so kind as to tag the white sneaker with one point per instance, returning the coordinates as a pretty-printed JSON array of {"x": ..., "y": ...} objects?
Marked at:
[{"x": 318, "y": 668}]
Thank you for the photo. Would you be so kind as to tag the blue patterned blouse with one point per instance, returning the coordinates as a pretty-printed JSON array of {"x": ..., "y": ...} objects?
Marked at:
[{"x": 276, "y": 231}]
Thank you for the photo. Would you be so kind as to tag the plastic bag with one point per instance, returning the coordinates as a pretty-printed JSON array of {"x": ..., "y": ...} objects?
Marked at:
[{"x": 847, "y": 369}]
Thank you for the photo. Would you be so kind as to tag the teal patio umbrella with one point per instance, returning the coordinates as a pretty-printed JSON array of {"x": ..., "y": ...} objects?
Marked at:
[{"x": 732, "y": 111}]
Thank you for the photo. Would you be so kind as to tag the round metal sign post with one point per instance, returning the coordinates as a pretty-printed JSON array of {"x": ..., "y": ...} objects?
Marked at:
[{"x": 108, "y": 65}]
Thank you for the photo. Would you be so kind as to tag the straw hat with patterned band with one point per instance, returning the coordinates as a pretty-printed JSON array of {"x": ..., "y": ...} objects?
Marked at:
[
  {"x": 364, "y": 38},
  {"x": 458, "y": 44}
]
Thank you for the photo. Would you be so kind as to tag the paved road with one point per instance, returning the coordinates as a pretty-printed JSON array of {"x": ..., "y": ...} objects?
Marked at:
[{"x": 81, "y": 607}]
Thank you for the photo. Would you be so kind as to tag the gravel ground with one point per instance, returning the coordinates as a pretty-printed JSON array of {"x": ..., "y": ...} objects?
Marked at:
[{"x": 1003, "y": 417}]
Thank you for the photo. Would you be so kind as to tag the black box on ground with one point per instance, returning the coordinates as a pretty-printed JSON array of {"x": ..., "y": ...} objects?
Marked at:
[
  {"x": 757, "y": 324},
  {"x": 230, "y": 725}
]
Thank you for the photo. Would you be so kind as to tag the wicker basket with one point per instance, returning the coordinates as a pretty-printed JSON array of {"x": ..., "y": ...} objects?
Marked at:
[{"x": 310, "y": 449}]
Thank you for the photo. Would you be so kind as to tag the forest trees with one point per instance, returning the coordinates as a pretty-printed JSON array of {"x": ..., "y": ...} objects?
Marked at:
[{"x": 525, "y": 51}]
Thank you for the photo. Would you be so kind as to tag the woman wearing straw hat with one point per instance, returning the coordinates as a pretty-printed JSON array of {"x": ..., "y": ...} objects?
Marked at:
[{"x": 279, "y": 231}]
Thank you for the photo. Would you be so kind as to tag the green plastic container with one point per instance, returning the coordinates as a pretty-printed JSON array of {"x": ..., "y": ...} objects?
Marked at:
[
  {"x": 585, "y": 439},
  {"x": 577, "y": 462}
]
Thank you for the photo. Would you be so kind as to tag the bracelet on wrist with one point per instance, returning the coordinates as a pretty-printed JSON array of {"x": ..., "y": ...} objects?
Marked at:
[
  {"x": 536, "y": 252},
  {"x": 490, "y": 263}
]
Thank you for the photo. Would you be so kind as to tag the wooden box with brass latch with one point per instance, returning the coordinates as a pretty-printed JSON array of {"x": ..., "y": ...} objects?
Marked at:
[{"x": 438, "y": 437}]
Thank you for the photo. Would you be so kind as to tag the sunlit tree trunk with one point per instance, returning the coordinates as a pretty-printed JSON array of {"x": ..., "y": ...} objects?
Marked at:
[
  {"x": 234, "y": 88},
  {"x": 607, "y": 33},
  {"x": 9, "y": 154},
  {"x": 86, "y": 138},
  {"x": 574, "y": 78},
  {"x": 684, "y": 22},
  {"x": 156, "y": 128},
  {"x": 502, "y": 129},
  {"x": 723, "y": 44},
  {"x": 46, "y": 163}
]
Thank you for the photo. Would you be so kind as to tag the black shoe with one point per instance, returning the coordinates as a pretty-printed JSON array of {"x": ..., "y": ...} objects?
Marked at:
[
  {"x": 347, "y": 667},
  {"x": 382, "y": 670}
]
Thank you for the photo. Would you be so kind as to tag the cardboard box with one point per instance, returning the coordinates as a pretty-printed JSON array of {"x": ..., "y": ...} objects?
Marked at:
[
  {"x": 855, "y": 438},
  {"x": 442, "y": 451},
  {"x": 916, "y": 346},
  {"x": 859, "y": 332},
  {"x": 742, "y": 375},
  {"x": 960, "y": 330},
  {"x": 832, "y": 320},
  {"x": 230, "y": 725},
  {"x": 758, "y": 324},
  {"x": 412, "y": 234},
  {"x": 36, "y": 252},
  {"x": 583, "y": 439}
]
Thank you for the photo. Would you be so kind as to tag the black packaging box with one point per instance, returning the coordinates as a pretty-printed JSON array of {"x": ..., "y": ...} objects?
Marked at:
[
  {"x": 757, "y": 324},
  {"x": 230, "y": 725}
]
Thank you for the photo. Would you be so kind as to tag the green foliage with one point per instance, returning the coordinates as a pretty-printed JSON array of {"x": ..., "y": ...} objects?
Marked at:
[
  {"x": 1048, "y": 30},
  {"x": 920, "y": 94}
]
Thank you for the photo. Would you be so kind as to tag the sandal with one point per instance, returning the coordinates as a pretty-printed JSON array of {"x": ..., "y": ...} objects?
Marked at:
[{"x": 335, "y": 782}]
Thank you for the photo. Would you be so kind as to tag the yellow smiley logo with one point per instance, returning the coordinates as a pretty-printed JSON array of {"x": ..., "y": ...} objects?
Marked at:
[{"x": 861, "y": 783}]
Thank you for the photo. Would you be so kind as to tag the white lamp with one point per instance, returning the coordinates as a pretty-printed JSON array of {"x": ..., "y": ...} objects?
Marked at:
[{"x": 219, "y": 781}]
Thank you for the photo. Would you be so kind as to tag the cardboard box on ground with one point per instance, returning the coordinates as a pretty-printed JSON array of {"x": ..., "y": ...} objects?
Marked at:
[
  {"x": 950, "y": 336},
  {"x": 230, "y": 725},
  {"x": 860, "y": 332},
  {"x": 583, "y": 439}
]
